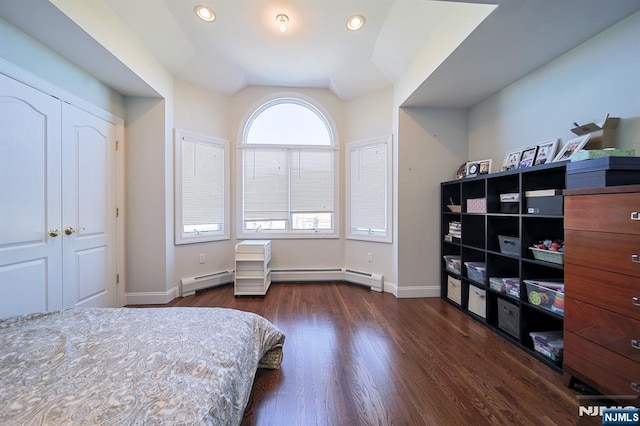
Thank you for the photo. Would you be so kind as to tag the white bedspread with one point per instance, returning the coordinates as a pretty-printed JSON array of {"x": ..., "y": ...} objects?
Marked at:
[{"x": 126, "y": 366}]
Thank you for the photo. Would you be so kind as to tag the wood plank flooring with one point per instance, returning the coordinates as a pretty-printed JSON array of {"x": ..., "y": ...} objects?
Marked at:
[{"x": 357, "y": 357}]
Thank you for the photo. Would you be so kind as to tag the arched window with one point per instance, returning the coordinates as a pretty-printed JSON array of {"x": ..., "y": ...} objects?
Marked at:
[{"x": 288, "y": 165}]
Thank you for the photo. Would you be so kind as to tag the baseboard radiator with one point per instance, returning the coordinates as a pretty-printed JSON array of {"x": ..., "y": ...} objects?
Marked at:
[
  {"x": 374, "y": 281},
  {"x": 189, "y": 286}
]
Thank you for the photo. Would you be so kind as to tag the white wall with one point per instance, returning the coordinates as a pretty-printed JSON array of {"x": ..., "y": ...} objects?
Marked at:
[
  {"x": 26, "y": 53},
  {"x": 432, "y": 144},
  {"x": 366, "y": 118},
  {"x": 204, "y": 112},
  {"x": 597, "y": 78}
]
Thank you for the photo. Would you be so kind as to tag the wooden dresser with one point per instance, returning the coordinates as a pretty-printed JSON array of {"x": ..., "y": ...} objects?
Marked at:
[{"x": 602, "y": 289}]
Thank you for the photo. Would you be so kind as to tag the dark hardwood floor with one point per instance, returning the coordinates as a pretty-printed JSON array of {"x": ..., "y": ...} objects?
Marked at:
[{"x": 357, "y": 357}]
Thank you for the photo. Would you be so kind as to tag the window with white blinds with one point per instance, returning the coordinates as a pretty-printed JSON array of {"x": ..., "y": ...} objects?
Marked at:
[
  {"x": 369, "y": 190},
  {"x": 201, "y": 182},
  {"x": 288, "y": 164}
]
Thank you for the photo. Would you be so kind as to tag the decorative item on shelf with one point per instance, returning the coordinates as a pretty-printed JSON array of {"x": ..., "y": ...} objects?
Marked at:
[
  {"x": 571, "y": 147},
  {"x": 472, "y": 169},
  {"x": 601, "y": 135},
  {"x": 528, "y": 156},
  {"x": 478, "y": 167},
  {"x": 512, "y": 160},
  {"x": 462, "y": 171},
  {"x": 546, "y": 152},
  {"x": 455, "y": 208}
]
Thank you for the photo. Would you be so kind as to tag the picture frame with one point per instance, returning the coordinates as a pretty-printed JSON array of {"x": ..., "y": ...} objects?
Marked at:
[
  {"x": 573, "y": 145},
  {"x": 512, "y": 160},
  {"x": 485, "y": 167},
  {"x": 546, "y": 152},
  {"x": 528, "y": 156}
]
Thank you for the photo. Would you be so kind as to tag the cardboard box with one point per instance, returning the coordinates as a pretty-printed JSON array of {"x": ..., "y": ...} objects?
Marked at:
[{"x": 602, "y": 135}]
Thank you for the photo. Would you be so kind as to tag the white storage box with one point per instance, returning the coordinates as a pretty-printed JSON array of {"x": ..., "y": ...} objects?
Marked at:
[
  {"x": 477, "y": 301},
  {"x": 454, "y": 290}
]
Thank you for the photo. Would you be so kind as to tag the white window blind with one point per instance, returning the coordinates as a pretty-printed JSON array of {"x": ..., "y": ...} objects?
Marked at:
[
  {"x": 202, "y": 184},
  {"x": 266, "y": 184},
  {"x": 201, "y": 188},
  {"x": 312, "y": 181},
  {"x": 369, "y": 188}
]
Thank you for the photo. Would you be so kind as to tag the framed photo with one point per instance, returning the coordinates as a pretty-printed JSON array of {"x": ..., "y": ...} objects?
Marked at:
[
  {"x": 546, "y": 152},
  {"x": 573, "y": 145},
  {"x": 485, "y": 167},
  {"x": 473, "y": 167},
  {"x": 528, "y": 156},
  {"x": 511, "y": 160}
]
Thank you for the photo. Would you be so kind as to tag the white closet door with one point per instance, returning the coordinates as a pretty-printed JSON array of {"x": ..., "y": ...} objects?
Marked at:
[
  {"x": 89, "y": 209},
  {"x": 30, "y": 200}
]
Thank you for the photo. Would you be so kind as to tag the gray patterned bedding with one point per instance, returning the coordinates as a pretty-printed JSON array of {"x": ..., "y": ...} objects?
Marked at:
[{"x": 117, "y": 366}]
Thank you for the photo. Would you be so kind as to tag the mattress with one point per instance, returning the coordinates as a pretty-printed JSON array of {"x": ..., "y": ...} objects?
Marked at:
[{"x": 133, "y": 366}]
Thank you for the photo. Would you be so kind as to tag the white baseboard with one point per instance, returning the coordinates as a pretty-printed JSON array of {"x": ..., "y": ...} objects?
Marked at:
[
  {"x": 152, "y": 298},
  {"x": 414, "y": 291}
]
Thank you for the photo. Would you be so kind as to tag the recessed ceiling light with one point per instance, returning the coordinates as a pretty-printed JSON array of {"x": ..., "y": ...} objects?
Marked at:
[
  {"x": 355, "y": 22},
  {"x": 205, "y": 13}
]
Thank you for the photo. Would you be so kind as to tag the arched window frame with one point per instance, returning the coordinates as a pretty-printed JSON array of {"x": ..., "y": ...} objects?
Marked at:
[{"x": 242, "y": 146}]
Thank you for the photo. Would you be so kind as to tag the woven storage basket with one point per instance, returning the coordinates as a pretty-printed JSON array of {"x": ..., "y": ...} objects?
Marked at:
[{"x": 548, "y": 255}]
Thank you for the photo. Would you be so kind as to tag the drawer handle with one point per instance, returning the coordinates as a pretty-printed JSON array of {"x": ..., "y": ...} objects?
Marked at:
[
  {"x": 635, "y": 215},
  {"x": 635, "y": 386},
  {"x": 635, "y": 301},
  {"x": 635, "y": 258},
  {"x": 635, "y": 344}
]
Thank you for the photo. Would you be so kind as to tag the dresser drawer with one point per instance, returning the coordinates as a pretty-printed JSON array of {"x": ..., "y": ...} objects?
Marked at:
[
  {"x": 608, "y": 290},
  {"x": 607, "y": 371},
  {"x": 617, "y": 332},
  {"x": 607, "y": 212},
  {"x": 611, "y": 252}
]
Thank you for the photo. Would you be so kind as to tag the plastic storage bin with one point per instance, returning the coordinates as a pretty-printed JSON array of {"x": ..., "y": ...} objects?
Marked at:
[
  {"x": 509, "y": 245},
  {"x": 548, "y": 343},
  {"x": 453, "y": 264},
  {"x": 510, "y": 286},
  {"x": 547, "y": 295},
  {"x": 477, "y": 271}
]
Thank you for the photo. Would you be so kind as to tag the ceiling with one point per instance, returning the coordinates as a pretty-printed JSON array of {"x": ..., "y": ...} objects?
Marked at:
[{"x": 244, "y": 47}]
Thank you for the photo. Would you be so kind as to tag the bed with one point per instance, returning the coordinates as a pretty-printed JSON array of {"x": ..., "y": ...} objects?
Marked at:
[{"x": 133, "y": 365}]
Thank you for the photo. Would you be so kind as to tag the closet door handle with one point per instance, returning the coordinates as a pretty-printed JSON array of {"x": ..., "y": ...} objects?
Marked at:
[
  {"x": 71, "y": 231},
  {"x": 635, "y": 215},
  {"x": 54, "y": 232}
]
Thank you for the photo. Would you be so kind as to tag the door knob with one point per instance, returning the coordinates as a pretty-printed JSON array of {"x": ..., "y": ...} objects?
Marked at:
[
  {"x": 54, "y": 232},
  {"x": 69, "y": 230}
]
